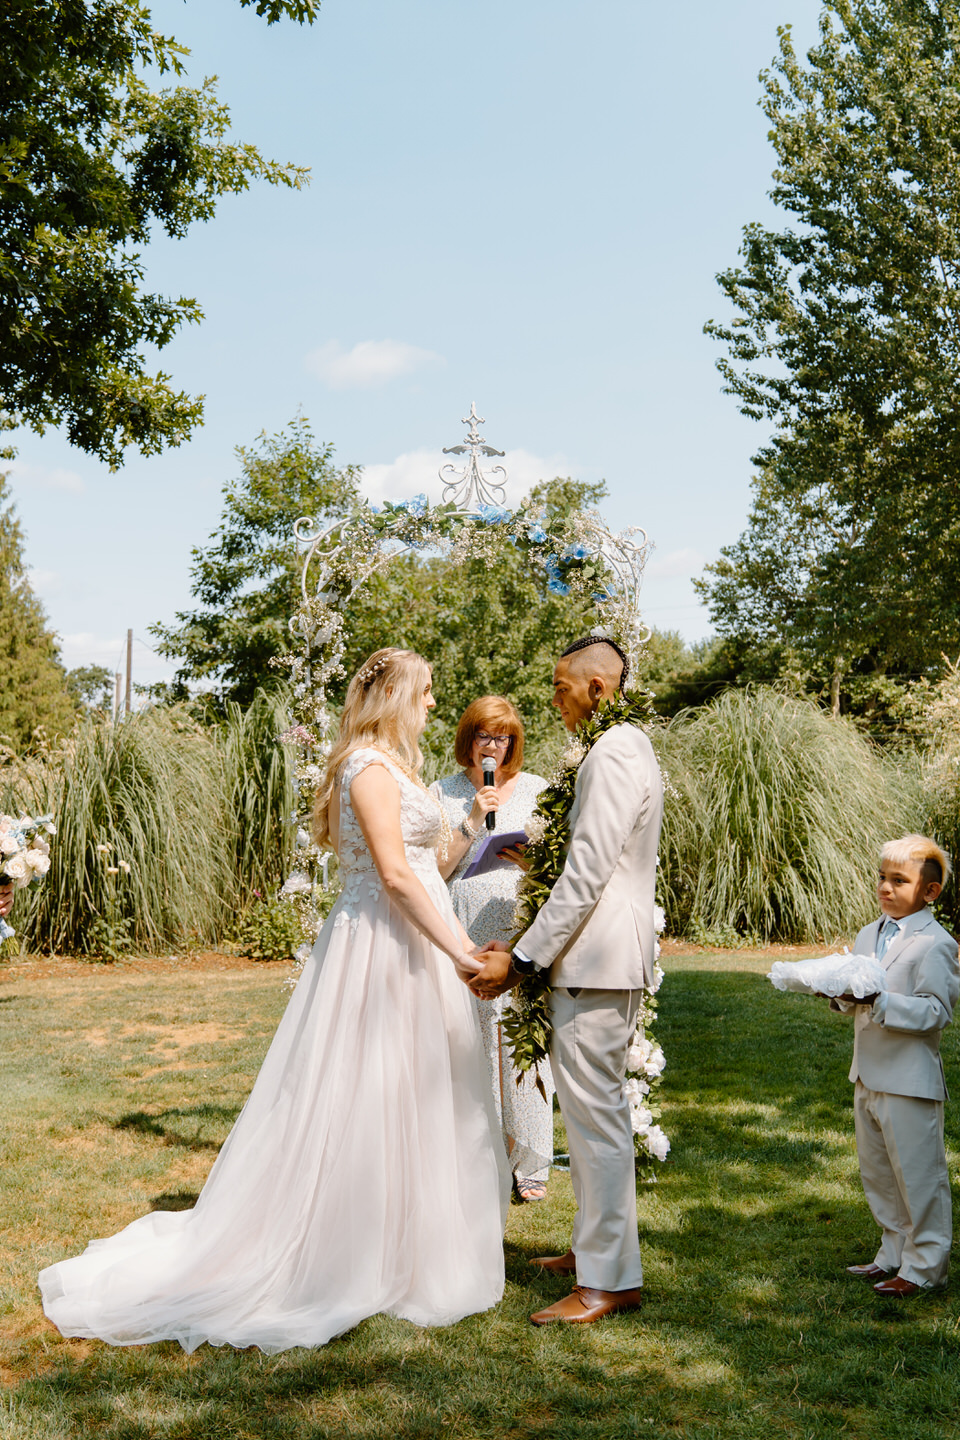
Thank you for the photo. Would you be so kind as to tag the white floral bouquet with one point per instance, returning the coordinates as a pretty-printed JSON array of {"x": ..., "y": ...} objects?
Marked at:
[{"x": 24, "y": 854}]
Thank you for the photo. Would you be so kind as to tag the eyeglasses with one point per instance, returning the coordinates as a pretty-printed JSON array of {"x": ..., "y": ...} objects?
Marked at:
[{"x": 501, "y": 741}]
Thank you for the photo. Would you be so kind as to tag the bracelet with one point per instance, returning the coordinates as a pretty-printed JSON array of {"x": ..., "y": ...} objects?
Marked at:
[{"x": 467, "y": 829}]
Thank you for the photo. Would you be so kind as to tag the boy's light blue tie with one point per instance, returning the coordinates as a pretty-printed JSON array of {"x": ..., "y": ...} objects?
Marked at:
[{"x": 889, "y": 932}]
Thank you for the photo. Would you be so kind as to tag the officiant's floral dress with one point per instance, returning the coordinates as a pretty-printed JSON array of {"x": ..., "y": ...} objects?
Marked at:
[
  {"x": 484, "y": 905},
  {"x": 365, "y": 1173}
]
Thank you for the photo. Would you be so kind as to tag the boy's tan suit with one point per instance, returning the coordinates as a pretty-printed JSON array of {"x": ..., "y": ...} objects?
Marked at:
[{"x": 899, "y": 1095}]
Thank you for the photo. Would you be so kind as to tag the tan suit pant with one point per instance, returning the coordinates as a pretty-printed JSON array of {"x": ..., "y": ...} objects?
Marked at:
[
  {"x": 904, "y": 1171},
  {"x": 592, "y": 1031}
]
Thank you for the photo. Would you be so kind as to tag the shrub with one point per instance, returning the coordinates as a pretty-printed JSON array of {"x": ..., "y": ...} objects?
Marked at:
[
  {"x": 774, "y": 816},
  {"x": 201, "y": 815}
]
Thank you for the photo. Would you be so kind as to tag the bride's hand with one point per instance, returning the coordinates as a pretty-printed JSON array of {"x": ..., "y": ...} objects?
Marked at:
[{"x": 466, "y": 966}]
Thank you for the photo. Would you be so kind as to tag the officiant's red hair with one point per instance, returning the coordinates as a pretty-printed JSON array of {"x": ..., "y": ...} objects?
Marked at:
[{"x": 497, "y": 716}]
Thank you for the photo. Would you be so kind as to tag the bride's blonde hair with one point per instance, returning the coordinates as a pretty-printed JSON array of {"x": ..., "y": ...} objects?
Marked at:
[{"x": 384, "y": 707}]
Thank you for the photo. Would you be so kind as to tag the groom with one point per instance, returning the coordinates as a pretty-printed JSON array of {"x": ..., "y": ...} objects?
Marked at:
[{"x": 595, "y": 935}]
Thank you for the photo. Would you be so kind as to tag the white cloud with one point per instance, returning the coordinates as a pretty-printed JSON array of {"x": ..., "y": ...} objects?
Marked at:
[
  {"x": 416, "y": 473},
  {"x": 676, "y": 564},
  {"x": 41, "y": 477},
  {"x": 369, "y": 363}
]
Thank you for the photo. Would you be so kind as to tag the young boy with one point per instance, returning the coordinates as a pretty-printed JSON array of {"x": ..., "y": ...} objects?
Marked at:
[{"x": 898, "y": 1073}]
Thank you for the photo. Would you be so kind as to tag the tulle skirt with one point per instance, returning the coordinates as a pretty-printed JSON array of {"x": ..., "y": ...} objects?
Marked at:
[{"x": 365, "y": 1173}]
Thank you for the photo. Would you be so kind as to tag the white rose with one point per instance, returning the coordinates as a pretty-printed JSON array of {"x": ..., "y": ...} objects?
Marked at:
[
  {"x": 8, "y": 845},
  {"x": 634, "y": 1090},
  {"x": 657, "y": 979},
  {"x": 659, "y": 919},
  {"x": 657, "y": 1142},
  {"x": 17, "y": 870},
  {"x": 640, "y": 1118},
  {"x": 655, "y": 1062},
  {"x": 297, "y": 884},
  {"x": 38, "y": 862}
]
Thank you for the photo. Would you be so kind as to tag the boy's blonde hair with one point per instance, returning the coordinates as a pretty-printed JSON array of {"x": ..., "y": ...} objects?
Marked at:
[{"x": 934, "y": 861}]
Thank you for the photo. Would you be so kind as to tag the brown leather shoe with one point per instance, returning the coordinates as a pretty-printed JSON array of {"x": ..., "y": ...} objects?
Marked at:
[
  {"x": 559, "y": 1264},
  {"x": 584, "y": 1305},
  {"x": 897, "y": 1289},
  {"x": 867, "y": 1272}
]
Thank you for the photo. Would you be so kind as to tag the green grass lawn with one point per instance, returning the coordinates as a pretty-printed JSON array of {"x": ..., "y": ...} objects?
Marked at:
[{"x": 117, "y": 1084}]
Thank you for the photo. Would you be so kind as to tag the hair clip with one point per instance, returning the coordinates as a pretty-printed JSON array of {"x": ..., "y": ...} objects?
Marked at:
[{"x": 371, "y": 672}]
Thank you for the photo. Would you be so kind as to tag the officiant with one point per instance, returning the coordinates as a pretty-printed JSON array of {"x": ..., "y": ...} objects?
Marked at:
[{"x": 491, "y": 729}]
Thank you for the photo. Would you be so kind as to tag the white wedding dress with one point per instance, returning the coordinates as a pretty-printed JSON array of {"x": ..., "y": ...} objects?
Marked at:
[{"x": 365, "y": 1173}]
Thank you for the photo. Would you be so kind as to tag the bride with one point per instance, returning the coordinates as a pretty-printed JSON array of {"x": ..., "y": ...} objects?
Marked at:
[{"x": 365, "y": 1173}]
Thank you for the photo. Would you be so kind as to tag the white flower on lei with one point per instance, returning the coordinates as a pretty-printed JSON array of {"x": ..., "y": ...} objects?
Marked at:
[
  {"x": 640, "y": 1119},
  {"x": 644, "y": 1057},
  {"x": 536, "y": 828},
  {"x": 656, "y": 1142},
  {"x": 573, "y": 754},
  {"x": 659, "y": 919}
]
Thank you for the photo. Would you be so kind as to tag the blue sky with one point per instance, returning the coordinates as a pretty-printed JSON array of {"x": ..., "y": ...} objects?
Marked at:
[{"x": 522, "y": 204}]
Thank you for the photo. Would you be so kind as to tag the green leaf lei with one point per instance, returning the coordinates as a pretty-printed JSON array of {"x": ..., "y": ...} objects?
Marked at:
[{"x": 526, "y": 1022}]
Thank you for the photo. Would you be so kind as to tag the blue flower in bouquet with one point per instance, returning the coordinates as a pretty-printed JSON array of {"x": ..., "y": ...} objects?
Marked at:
[
  {"x": 578, "y": 551},
  {"x": 494, "y": 514},
  {"x": 557, "y": 587},
  {"x": 536, "y": 533}
]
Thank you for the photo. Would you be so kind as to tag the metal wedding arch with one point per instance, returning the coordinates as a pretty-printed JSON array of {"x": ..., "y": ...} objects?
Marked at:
[{"x": 579, "y": 554}]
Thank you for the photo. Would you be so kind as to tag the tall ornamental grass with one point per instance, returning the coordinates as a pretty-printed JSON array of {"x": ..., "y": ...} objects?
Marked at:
[
  {"x": 164, "y": 828},
  {"x": 774, "y": 816},
  {"x": 258, "y": 791}
]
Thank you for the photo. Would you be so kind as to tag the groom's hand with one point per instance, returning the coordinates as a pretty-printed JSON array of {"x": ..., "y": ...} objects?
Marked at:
[{"x": 497, "y": 975}]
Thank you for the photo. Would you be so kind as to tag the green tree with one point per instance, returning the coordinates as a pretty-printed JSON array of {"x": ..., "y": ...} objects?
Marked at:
[
  {"x": 247, "y": 579},
  {"x": 91, "y": 686},
  {"x": 33, "y": 692},
  {"x": 90, "y": 159},
  {"x": 847, "y": 340}
]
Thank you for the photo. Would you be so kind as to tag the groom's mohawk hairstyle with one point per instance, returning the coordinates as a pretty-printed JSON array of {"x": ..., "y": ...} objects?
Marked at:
[{"x": 587, "y": 640}]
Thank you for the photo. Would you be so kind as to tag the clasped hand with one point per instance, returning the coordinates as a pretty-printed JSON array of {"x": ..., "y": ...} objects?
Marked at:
[{"x": 497, "y": 974}]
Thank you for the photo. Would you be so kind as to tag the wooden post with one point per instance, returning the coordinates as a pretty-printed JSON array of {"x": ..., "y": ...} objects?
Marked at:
[{"x": 129, "y": 694}]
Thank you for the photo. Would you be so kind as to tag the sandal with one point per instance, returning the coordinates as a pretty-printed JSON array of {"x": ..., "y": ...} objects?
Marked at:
[{"x": 529, "y": 1189}]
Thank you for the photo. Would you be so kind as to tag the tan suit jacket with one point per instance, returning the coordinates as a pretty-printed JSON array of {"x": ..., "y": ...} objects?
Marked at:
[
  {"x": 896, "y": 1045},
  {"x": 597, "y": 928}
]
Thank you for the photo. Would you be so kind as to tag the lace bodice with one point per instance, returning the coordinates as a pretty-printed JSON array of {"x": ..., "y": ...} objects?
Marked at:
[{"x": 419, "y": 825}]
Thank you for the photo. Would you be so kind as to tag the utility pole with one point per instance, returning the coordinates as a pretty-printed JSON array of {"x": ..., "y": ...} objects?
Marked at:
[
  {"x": 116, "y": 698},
  {"x": 129, "y": 694}
]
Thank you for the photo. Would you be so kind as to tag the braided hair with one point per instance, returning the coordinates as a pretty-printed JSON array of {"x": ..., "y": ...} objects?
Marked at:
[{"x": 588, "y": 640}]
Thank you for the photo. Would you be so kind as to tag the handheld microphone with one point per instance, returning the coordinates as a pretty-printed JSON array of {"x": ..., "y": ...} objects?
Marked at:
[{"x": 489, "y": 767}]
